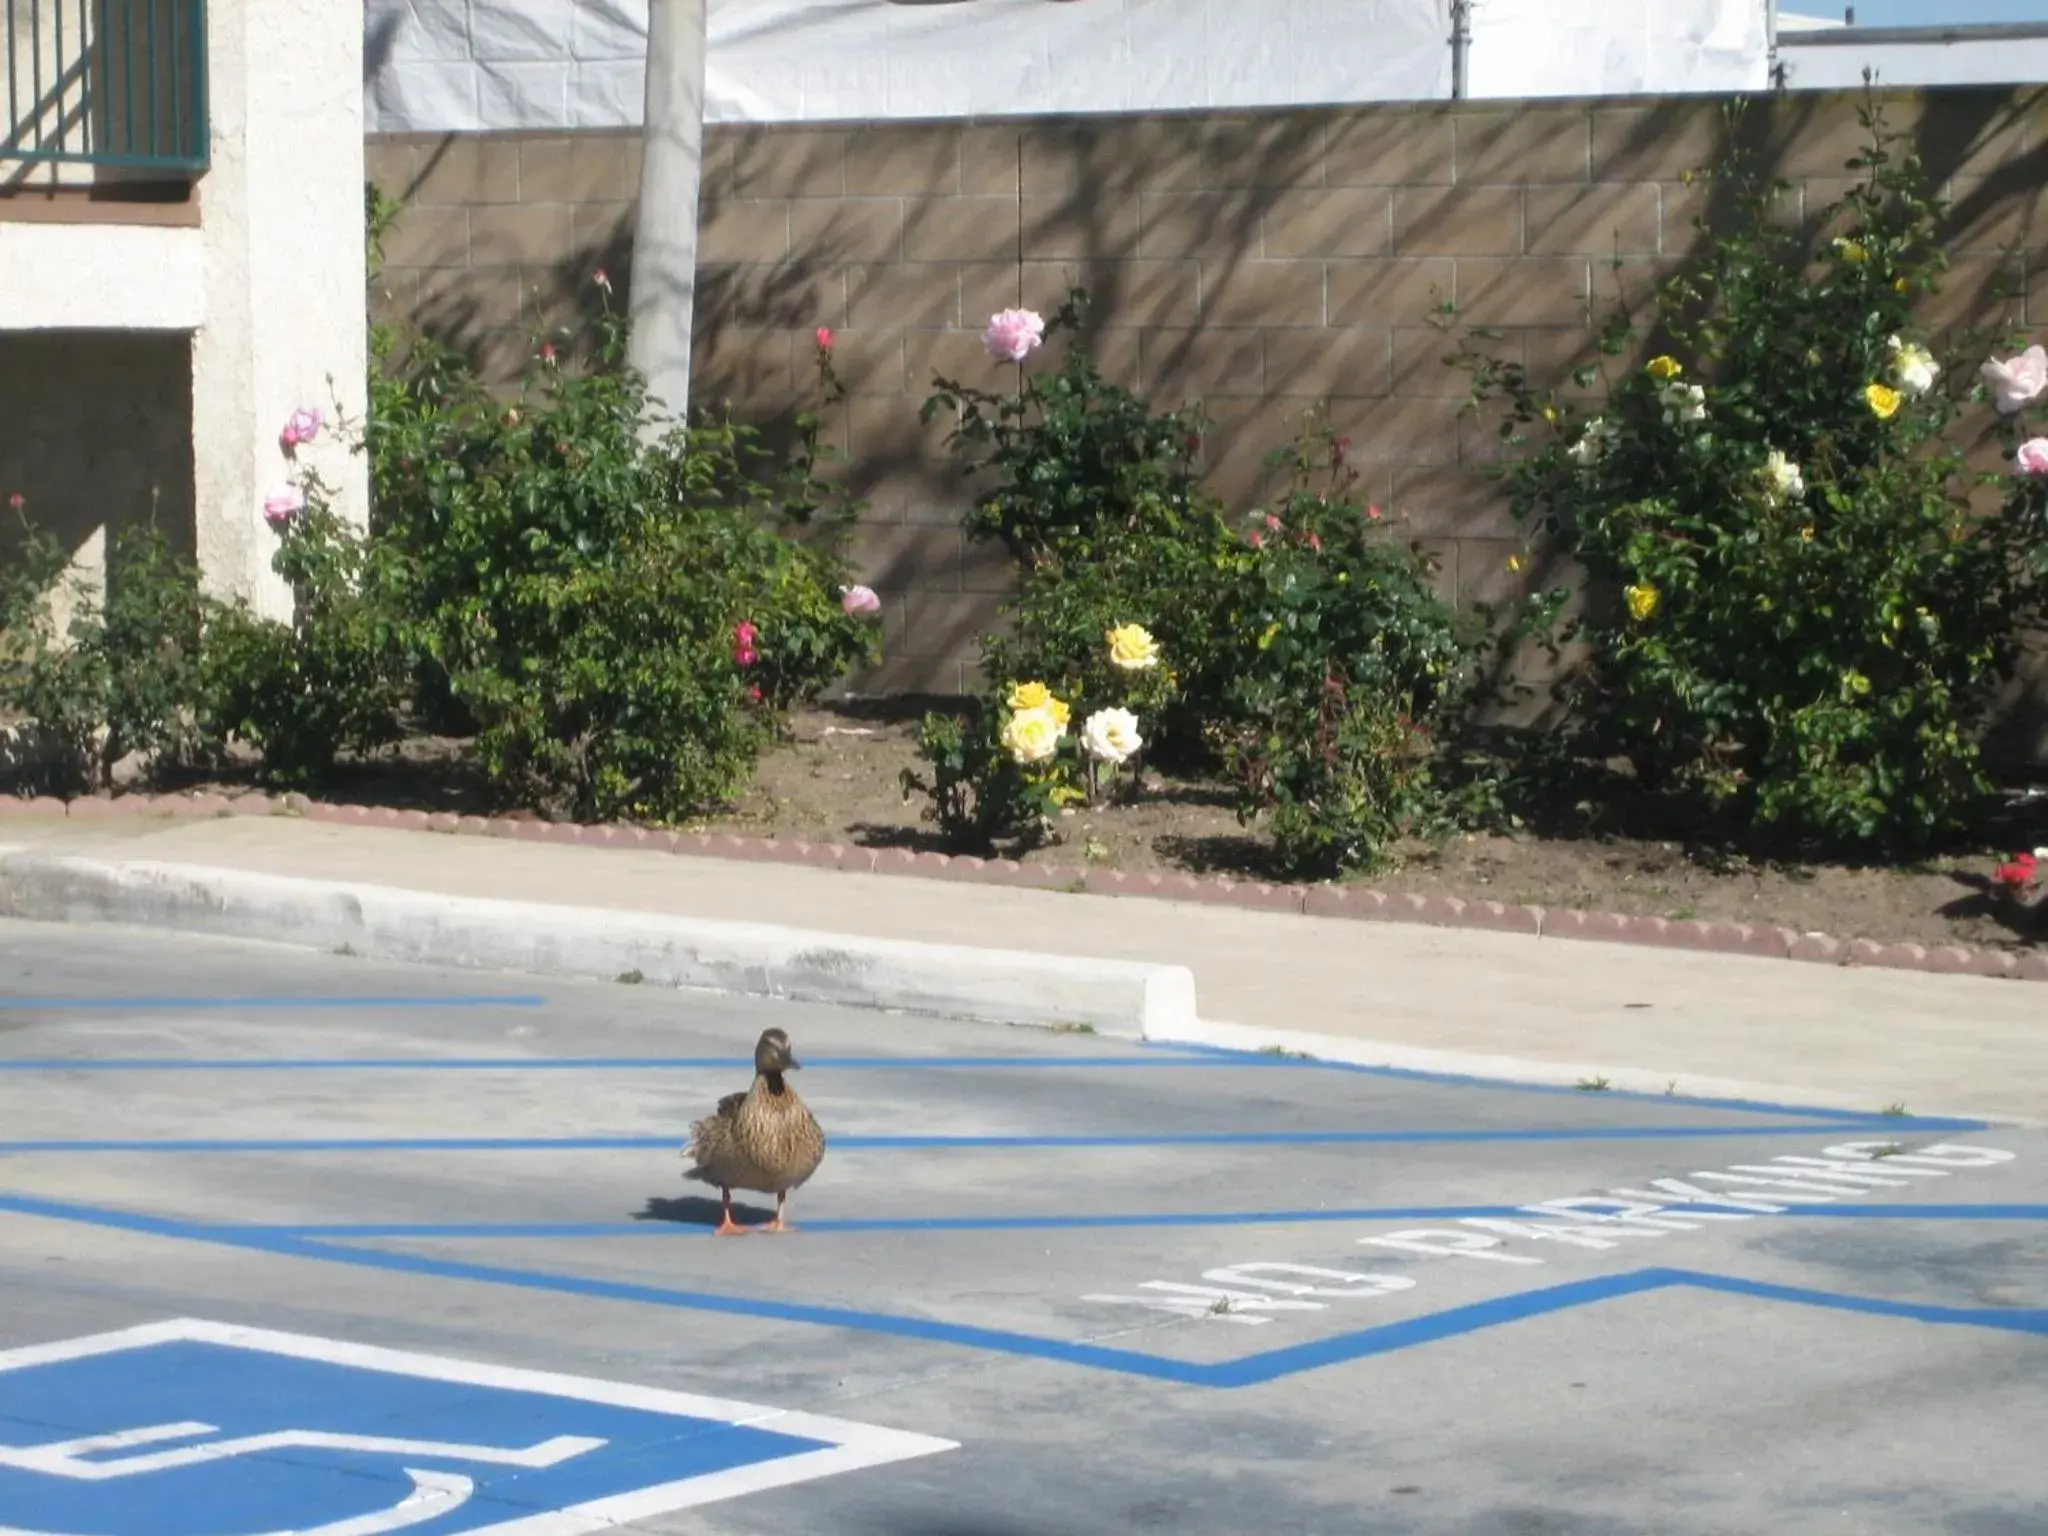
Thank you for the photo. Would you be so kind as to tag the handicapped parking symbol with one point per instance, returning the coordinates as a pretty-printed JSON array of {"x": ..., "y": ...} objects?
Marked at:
[
  {"x": 433, "y": 1493},
  {"x": 192, "y": 1428}
]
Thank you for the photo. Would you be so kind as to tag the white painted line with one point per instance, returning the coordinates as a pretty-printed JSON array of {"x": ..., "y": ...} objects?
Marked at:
[{"x": 1846, "y": 1171}]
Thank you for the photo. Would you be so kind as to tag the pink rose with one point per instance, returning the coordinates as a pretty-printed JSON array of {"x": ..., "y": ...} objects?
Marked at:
[
  {"x": 824, "y": 338},
  {"x": 743, "y": 637},
  {"x": 2018, "y": 381},
  {"x": 282, "y": 507},
  {"x": 860, "y": 602},
  {"x": 2033, "y": 456},
  {"x": 547, "y": 353},
  {"x": 604, "y": 280},
  {"x": 303, "y": 427},
  {"x": 1013, "y": 335}
]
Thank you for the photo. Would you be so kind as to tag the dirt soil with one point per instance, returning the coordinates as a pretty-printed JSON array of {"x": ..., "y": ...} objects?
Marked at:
[{"x": 838, "y": 780}]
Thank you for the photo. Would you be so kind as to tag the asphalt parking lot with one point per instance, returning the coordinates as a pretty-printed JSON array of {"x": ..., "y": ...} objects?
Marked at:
[{"x": 303, "y": 1243}]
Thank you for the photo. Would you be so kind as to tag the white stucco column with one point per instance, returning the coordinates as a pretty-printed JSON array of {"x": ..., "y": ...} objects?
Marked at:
[{"x": 282, "y": 211}]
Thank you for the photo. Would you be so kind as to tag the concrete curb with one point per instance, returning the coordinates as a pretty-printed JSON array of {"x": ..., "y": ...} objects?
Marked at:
[
  {"x": 1112, "y": 997},
  {"x": 1341, "y": 901}
]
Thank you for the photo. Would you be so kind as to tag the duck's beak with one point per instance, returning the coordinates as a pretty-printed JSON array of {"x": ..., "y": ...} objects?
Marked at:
[{"x": 790, "y": 1063}]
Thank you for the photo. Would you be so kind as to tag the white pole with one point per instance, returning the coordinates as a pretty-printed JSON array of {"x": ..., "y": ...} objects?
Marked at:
[
  {"x": 1461, "y": 49},
  {"x": 665, "y": 234}
]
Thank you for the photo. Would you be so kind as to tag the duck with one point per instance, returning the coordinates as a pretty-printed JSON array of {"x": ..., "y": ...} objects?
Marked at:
[{"x": 765, "y": 1139}]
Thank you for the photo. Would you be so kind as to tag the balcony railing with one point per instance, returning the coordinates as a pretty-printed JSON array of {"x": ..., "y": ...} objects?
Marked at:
[{"x": 119, "y": 84}]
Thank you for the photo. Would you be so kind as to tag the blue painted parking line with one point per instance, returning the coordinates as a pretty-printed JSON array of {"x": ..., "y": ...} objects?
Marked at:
[
  {"x": 193, "y": 1428},
  {"x": 245, "y": 1146},
  {"x": 1052, "y": 1222},
  {"x": 1250, "y": 1370},
  {"x": 582, "y": 1063},
  {"x": 1056, "y": 1222},
  {"x": 1150, "y": 1055},
  {"x": 276, "y": 1000},
  {"x": 1930, "y": 1212}
]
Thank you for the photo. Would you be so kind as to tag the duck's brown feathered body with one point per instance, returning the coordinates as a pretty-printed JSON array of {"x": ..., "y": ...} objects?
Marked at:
[{"x": 765, "y": 1139}]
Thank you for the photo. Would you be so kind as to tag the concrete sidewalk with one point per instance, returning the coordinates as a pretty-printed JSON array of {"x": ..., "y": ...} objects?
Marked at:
[{"x": 1386, "y": 993}]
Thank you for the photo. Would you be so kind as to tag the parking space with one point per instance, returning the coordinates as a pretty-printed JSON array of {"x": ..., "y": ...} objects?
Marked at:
[{"x": 1043, "y": 1284}]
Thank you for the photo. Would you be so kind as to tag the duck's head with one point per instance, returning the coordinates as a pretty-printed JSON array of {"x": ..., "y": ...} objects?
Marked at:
[{"x": 772, "y": 1053}]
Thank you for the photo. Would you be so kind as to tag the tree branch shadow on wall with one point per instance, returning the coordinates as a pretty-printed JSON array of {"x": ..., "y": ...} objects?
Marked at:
[
  {"x": 1164, "y": 222},
  {"x": 1077, "y": 220}
]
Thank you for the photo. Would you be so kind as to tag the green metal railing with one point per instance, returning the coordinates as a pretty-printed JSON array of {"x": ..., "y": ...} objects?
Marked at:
[{"x": 117, "y": 83}]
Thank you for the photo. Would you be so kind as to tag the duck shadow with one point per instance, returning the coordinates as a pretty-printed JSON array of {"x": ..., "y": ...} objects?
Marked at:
[{"x": 698, "y": 1211}]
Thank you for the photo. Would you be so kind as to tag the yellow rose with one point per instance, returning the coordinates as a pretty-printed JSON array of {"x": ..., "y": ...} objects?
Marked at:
[
  {"x": 1665, "y": 369},
  {"x": 1514, "y": 563},
  {"x": 1132, "y": 648},
  {"x": 1030, "y": 696},
  {"x": 1033, "y": 735},
  {"x": 1642, "y": 602},
  {"x": 1853, "y": 252},
  {"x": 1903, "y": 285},
  {"x": 1884, "y": 400}
]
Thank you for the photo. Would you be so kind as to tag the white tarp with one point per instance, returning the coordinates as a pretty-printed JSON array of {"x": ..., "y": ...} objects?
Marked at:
[
  {"x": 1617, "y": 47},
  {"x": 467, "y": 65}
]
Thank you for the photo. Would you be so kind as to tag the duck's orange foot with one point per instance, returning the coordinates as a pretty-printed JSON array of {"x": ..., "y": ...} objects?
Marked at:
[
  {"x": 730, "y": 1228},
  {"x": 779, "y": 1225}
]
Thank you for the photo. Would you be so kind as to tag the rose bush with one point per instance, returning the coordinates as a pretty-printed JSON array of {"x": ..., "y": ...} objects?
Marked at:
[
  {"x": 1310, "y": 659},
  {"x": 120, "y": 678},
  {"x": 1813, "y": 617},
  {"x": 621, "y": 624},
  {"x": 331, "y": 679}
]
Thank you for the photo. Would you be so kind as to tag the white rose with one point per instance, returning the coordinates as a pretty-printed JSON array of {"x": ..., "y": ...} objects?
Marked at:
[
  {"x": 1111, "y": 735},
  {"x": 1913, "y": 366},
  {"x": 1599, "y": 433},
  {"x": 1787, "y": 480},
  {"x": 1684, "y": 402}
]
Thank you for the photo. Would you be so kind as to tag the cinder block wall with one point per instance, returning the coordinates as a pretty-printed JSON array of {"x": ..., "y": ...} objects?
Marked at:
[{"x": 1258, "y": 263}]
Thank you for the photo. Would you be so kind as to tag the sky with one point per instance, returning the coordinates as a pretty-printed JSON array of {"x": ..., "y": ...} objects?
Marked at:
[{"x": 1924, "y": 13}]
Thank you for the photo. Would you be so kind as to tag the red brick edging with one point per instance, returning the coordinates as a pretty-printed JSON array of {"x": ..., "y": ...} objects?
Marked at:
[{"x": 1767, "y": 942}]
